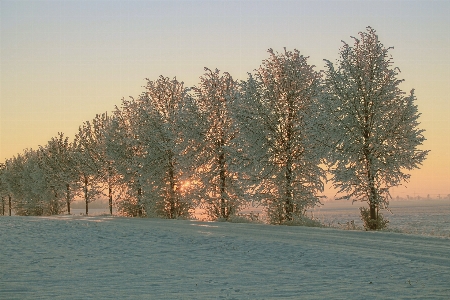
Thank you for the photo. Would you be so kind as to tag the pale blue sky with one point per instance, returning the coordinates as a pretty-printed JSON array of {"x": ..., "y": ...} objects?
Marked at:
[{"x": 64, "y": 61}]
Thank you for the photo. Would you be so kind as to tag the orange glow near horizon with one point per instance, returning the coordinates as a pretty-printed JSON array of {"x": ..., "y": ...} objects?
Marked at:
[{"x": 63, "y": 62}]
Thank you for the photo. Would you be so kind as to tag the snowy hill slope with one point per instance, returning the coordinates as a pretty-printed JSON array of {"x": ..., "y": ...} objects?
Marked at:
[{"x": 70, "y": 257}]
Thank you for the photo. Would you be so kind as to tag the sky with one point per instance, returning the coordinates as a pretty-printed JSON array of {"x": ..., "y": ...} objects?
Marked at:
[{"x": 63, "y": 62}]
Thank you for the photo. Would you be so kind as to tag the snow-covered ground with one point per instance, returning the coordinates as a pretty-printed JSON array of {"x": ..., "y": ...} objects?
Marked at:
[
  {"x": 424, "y": 217},
  {"x": 78, "y": 257}
]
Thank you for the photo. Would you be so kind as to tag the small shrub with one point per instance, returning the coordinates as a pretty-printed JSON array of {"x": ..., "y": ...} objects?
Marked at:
[
  {"x": 303, "y": 221},
  {"x": 380, "y": 223}
]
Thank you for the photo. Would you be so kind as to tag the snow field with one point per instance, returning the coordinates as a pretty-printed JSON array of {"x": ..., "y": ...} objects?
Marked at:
[
  {"x": 421, "y": 217},
  {"x": 73, "y": 257}
]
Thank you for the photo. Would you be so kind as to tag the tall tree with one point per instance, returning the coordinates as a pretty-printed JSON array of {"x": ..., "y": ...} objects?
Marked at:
[
  {"x": 88, "y": 162},
  {"x": 96, "y": 147},
  {"x": 12, "y": 179},
  {"x": 152, "y": 143},
  {"x": 372, "y": 125},
  {"x": 57, "y": 160},
  {"x": 282, "y": 97},
  {"x": 217, "y": 167},
  {"x": 160, "y": 126},
  {"x": 125, "y": 149},
  {"x": 28, "y": 186}
]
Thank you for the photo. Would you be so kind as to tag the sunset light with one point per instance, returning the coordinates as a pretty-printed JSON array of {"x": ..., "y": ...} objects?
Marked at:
[{"x": 224, "y": 149}]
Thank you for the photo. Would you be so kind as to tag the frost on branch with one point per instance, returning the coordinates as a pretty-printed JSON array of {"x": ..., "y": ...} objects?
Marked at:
[
  {"x": 218, "y": 164},
  {"x": 281, "y": 100},
  {"x": 146, "y": 142},
  {"x": 372, "y": 124}
]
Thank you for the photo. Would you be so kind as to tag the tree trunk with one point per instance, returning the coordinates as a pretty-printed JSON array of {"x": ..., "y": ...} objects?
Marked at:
[
  {"x": 109, "y": 184},
  {"x": 86, "y": 197},
  {"x": 223, "y": 209},
  {"x": 172, "y": 200},
  {"x": 110, "y": 199},
  {"x": 139, "y": 202},
  {"x": 3, "y": 206},
  {"x": 68, "y": 198},
  {"x": 9, "y": 203},
  {"x": 373, "y": 208},
  {"x": 289, "y": 205},
  {"x": 54, "y": 205},
  {"x": 373, "y": 201}
]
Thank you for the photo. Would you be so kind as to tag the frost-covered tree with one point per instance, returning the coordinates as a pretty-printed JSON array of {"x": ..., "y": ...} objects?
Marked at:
[
  {"x": 372, "y": 125},
  {"x": 56, "y": 158},
  {"x": 125, "y": 149},
  {"x": 151, "y": 141},
  {"x": 96, "y": 138},
  {"x": 9, "y": 181},
  {"x": 88, "y": 161},
  {"x": 13, "y": 169},
  {"x": 160, "y": 127},
  {"x": 217, "y": 165},
  {"x": 15, "y": 181},
  {"x": 280, "y": 114},
  {"x": 28, "y": 186},
  {"x": 3, "y": 188}
]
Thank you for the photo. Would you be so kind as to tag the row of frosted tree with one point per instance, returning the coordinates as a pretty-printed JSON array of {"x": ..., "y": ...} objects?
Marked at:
[{"x": 272, "y": 139}]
